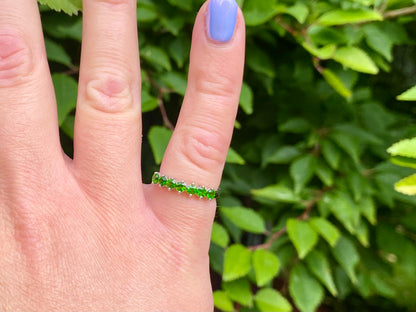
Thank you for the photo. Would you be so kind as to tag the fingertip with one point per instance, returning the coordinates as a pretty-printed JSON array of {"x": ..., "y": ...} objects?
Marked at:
[{"x": 220, "y": 23}]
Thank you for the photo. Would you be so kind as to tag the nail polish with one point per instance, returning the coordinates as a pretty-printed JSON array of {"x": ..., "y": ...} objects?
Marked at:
[{"x": 221, "y": 19}]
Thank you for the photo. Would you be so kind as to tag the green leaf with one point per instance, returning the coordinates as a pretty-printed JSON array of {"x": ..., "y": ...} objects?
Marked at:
[
  {"x": 319, "y": 265},
  {"x": 183, "y": 4},
  {"x": 216, "y": 258},
  {"x": 237, "y": 262},
  {"x": 362, "y": 234},
  {"x": 405, "y": 148},
  {"x": 63, "y": 26},
  {"x": 246, "y": 99},
  {"x": 146, "y": 12},
  {"x": 342, "y": 282},
  {"x": 179, "y": 50},
  {"x": 305, "y": 290},
  {"x": 176, "y": 81},
  {"x": 345, "y": 210},
  {"x": 407, "y": 185},
  {"x": 159, "y": 138},
  {"x": 331, "y": 154},
  {"x": 326, "y": 229},
  {"x": 149, "y": 102},
  {"x": 259, "y": 61},
  {"x": 357, "y": 184},
  {"x": 257, "y": 12},
  {"x": 368, "y": 209},
  {"x": 324, "y": 53},
  {"x": 364, "y": 135},
  {"x": 336, "y": 83},
  {"x": 379, "y": 40},
  {"x": 348, "y": 142},
  {"x": 321, "y": 35},
  {"x": 299, "y": 11},
  {"x": 266, "y": 266},
  {"x": 283, "y": 155},
  {"x": 219, "y": 235},
  {"x": 234, "y": 158},
  {"x": 295, "y": 125},
  {"x": 278, "y": 193},
  {"x": 324, "y": 205},
  {"x": 222, "y": 301},
  {"x": 57, "y": 53},
  {"x": 173, "y": 24},
  {"x": 325, "y": 173},
  {"x": 404, "y": 161},
  {"x": 302, "y": 171},
  {"x": 68, "y": 126},
  {"x": 356, "y": 59},
  {"x": 156, "y": 56},
  {"x": 68, "y": 6},
  {"x": 341, "y": 17},
  {"x": 239, "y": 291},
  {"x": 246, "y": 219},
  {"x": 347, "y": 256},
  {"x": 66, "y": 90},
  {"x": 409, "y": 95},
  {"x": 302, "y": 235},
  {"x": 270, "y": 300}
]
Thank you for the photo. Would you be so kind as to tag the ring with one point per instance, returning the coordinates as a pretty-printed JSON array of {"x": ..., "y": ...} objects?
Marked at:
[{"x": 182, "y": 187}]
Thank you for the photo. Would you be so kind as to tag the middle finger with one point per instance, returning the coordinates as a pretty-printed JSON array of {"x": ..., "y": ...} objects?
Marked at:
[{"x": 108, "y": 118}]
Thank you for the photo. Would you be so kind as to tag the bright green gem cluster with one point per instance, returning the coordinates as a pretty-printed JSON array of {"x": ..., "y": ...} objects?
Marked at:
[{"x": 181, "y": 187}]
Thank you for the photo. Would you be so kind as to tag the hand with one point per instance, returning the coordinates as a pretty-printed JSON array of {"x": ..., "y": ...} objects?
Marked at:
[{"x": 85, "y": 234}]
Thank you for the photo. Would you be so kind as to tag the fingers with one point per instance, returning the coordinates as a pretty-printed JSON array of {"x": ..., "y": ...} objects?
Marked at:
[
  {"x": 108, "y": 126},
  {"x": 198, "y": 147},
  {"x": 28, "y": 118}
]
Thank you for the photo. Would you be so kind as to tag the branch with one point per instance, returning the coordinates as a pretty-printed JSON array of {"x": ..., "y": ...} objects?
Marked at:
[
  {"x": 161, "y": 104},
  {"x": 163, "y": 112},
  {"x": 288, "y": 28},
  {"x": 304, "y": 216},
  {"x": 71, "y": 71},
  {"x": 400, "y": 12}
]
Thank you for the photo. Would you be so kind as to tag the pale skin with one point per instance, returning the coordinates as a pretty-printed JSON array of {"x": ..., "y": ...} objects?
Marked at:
[{"x": 85, "y": 234}]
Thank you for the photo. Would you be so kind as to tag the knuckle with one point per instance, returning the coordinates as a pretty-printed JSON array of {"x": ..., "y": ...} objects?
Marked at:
[
  {"x": 15, "y": 59},
  {"x": 114, "y": 3},
  {"x": 109, "y": 93},
  {"x": 215, "y": 84},
  {"x": 205, "y": 149}
]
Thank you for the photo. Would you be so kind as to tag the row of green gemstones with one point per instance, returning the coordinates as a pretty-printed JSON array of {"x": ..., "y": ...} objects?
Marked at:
[{"x": 181, "y": 187}]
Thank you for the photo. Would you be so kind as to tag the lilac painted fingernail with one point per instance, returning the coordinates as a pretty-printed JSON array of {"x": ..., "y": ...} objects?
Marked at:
[{"x": 221, "y": 19}]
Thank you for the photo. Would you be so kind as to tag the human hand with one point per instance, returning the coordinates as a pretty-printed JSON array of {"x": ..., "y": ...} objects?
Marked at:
[{"x": 86, "y": 234}]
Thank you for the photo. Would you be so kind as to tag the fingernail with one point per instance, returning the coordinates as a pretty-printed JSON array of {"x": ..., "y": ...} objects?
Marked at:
[{"x": 221, "y": 19}]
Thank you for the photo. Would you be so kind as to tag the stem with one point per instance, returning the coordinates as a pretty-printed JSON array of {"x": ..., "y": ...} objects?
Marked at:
[
  {"x": 304, "y": 216},
  {"x": 289, "y": 29},
  {"x": 71, "y": 71},
  {"x": 161, "y": 104},
  {"x": 162, "y": 108},
  {"x": 317, "y": 64},
  {"x": 272, "y": 239},
  {"x": 400, "y": 12}
]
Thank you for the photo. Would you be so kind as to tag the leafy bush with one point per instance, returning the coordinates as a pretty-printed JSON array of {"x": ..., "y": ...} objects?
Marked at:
[{"x": 308, "y": 217}]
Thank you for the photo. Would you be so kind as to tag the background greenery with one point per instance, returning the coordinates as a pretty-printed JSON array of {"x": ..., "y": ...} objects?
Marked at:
[{"x": 308, "y": 218}]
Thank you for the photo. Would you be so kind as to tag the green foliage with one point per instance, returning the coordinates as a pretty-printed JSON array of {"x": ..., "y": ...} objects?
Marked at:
[
  {"x": 308, "y": 215},
  {"x": 68, "y": 6}
]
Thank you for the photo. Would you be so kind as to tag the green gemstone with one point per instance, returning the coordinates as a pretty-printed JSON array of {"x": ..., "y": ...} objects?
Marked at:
[
  {"x": 171, "y": 184},
  {"x": 211, "y": 194},
  {"x": 201, "y": 192},
  {"x": 181, "y": 187},
  {"x": 163, "y": 181},
  {"x": 191, "y": 189},
  {"x": 155, "y": 178}
]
